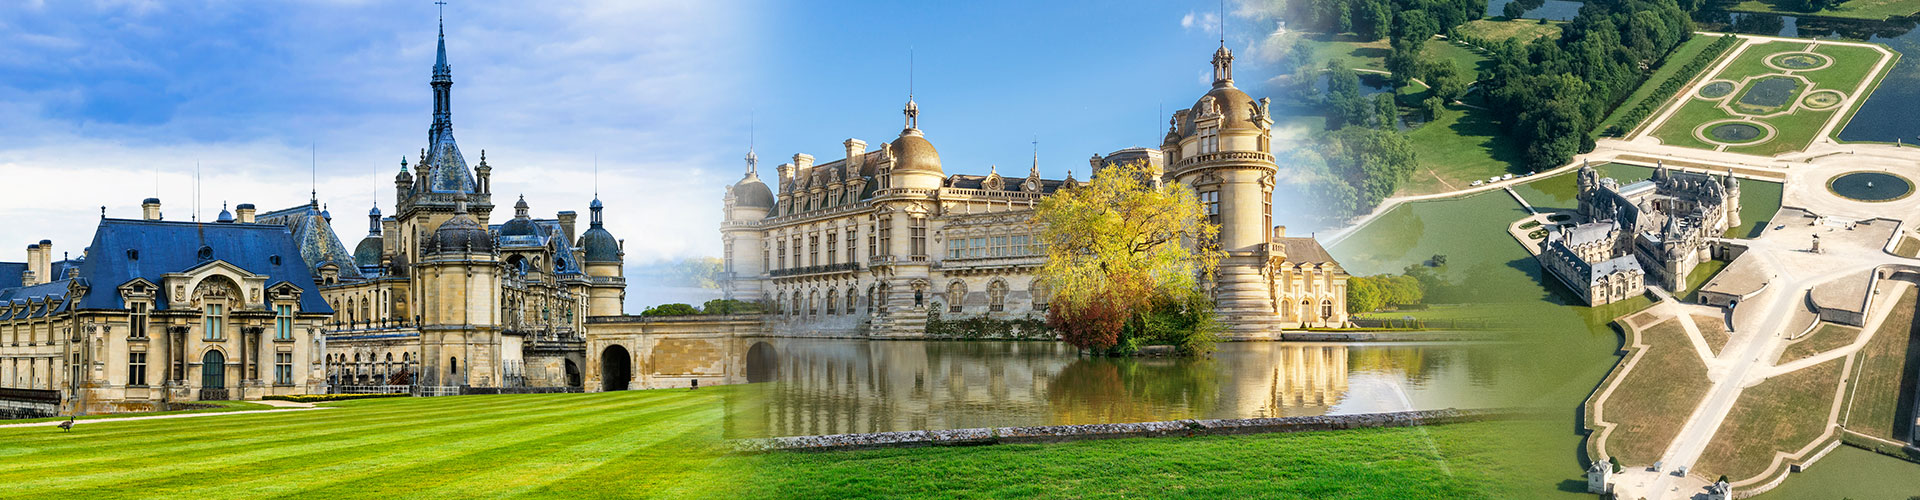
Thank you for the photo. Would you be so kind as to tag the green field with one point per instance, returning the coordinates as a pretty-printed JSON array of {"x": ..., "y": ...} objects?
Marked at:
[
  {"x": 1851, "y": 473},
  {"x": 1462, "y": 145},
  {"x": 1881, "y": 395},
  {"x": 1674, "y": 62},
  {"x": 640, "y": 443},
  {"x": 1826, "y": 338},
  {"x": 1794, "y": 128},
  {"x": 1872, "y": 10},
  {"x": 1655, "y": 398},
  {"x": 1373, "y": 55},
  {"x": 1442, "y": 462},
  {"x": 1525, "y": 30},
  {"x": 1783, "y": 414}
]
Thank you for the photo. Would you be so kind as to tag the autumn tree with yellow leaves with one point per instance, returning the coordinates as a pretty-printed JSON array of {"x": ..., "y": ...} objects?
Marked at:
[{"x": 1126, "y": 255}]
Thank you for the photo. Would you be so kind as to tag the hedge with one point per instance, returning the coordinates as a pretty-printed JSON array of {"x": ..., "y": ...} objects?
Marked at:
[
  {"x": 1633, "y": 117},
  {"x": 319, "y": 398}
]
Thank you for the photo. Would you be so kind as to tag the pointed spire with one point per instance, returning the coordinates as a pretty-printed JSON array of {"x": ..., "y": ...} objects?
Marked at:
[{"x": 912, "y": 109}]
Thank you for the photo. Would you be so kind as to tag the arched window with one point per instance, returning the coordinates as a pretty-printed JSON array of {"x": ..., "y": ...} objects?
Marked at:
[
  {"x": 1326, "y": 309},
  {"x": 813, "y": 303},
  {"x": 1040, "y": 294},
  {"x": 1306, "y": 309},
  {"x": 796, "y": 303},
  {"x": 833, "y": 302},
  {"x": 956, "y": 295},
  {"x": 453, "y": 365},
  {"x": 997, "y": 296},
  {"x": 851, "y": 294}
]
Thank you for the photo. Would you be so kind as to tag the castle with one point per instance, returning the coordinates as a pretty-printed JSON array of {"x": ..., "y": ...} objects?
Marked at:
[
  {"x": 869, "y": 244},
  {"x": 1649, "y": 232}
]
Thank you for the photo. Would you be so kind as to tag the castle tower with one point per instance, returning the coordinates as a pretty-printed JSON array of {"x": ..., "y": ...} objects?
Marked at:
[
  {"x": 746, "y": 201},
  {"x": 426, "y": 200},
  {"x": 904, "y": 223},
  {"x": 607, "y": 293},
  {"x": 1221, "y": 148},
  {"x": 459, "y": 288}
]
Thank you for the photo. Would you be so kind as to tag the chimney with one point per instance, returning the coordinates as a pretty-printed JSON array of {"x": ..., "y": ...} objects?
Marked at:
[
  {"x": 150, "y": 209},
  {"x": 856, "y": 149},
  {"x": 1279, "y": 231},
  {"x": 803, "y": 163},
  {"x": 786, "y": 176},
  {"x": 33, "y": 274},
  {"x": 45, "y": 271},
  {"x": 566, "y": 224},
  {"x": 1096, "y": 162},
  {"x": 245, "y": 213}
]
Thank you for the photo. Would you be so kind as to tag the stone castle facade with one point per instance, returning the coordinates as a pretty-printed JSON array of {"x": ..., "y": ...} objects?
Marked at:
[
  {"x": 1653, "y": 232},
  {"x": 869, "y": 244}
]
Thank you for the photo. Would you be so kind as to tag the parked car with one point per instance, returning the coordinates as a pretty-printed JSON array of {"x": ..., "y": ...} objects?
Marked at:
[{"x": 1479, "y": 182}]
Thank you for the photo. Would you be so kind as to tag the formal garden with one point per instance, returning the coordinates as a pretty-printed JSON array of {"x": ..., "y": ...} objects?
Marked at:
[{"x": 1773, "y": 97}]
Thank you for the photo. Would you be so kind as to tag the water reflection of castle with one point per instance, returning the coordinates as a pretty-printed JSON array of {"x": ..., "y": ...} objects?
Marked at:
[{"x": 847, "y": 386}]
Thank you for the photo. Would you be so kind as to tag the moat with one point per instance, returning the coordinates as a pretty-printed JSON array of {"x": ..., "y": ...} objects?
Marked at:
[{"x": 849, "y": 386}]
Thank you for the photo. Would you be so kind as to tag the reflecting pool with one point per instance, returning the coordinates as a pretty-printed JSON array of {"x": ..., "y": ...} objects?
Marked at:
[{"x": 846, "y": 386}]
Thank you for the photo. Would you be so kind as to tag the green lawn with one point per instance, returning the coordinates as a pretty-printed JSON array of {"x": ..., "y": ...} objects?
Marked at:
[
  {"x": 1462, "y": 145},
  {"x": 1826, "y": 338},
  {"x": 1874, "y": 10},
  {"x": 1794, "y": 131},
  {"x": 1373, "y": 55},
  {"x": 1882, "y": 392},
  {"x": 1525, "y": 30},
  {"x": 1654, "y": 399},
  {"x": 639, "y": 443},
  {"x": 1440, "y": 462},
  {"x": 1783, "y": 414},
  {"x": 1681, "y": 55}
]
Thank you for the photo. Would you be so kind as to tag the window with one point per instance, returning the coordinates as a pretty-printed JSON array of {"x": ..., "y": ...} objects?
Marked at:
[
  {"x": 1209, "y": 140},
  {"x": 853, "y": 239},
  {"x": 813, "y": 249},
  {"x": 997, "y": 296},
  {"x": 283, "y": 322},
  {"x": 956, "y": 294},
  {"x": 453, "y": 365},
  {"x": 139, "y": 322},
  {"x": 1326, "y": 309},
  {"x": 813, "y": 303},
  {"x": 833, "y": 247},
  {"x": 886, "y": 238},
  {"x": 851, "y": 294},
  {"x": 137, "y": 369},
  {"x": 783, "y": 256},
  {"x": 283, "y": 368},
  {"x": 766, "y": 258},
  {"x": 729, "y": 254},
  {"x": 215, "y": 322},
  {"x": 796, "y": 252},
  {"x": 833, "y": 302},
  {"x": 956, "y": 248},
  {"x": 977, "y": 247},
  {"x": 1210, "y": 202},
  {"x": 919, "y": 235},
  {"x": 1040, "y": 295},
  {"x": 999, "y": 246},
  {"x": 796, "y": 303},
  {"x": 1020, "y": 245}
]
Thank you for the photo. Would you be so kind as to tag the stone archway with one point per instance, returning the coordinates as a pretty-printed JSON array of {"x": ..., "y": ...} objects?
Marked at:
[
  {"x": 573, "y": 374},
  {"x": 762, "y": 363},
  {"x": 616, "y": 368}
]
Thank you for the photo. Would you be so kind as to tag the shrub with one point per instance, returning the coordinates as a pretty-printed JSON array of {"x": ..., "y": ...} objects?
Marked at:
[
  {"x": 985, "y": 328},
  {"x": 730, "y": 306},
  {"x": 675, "y": 309}
]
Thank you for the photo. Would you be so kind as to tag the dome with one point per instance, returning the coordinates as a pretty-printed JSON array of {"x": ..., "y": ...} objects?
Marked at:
[
  {"x": 225, "y": 216},
  {"x": 750, "y": 192},
  {"x": 459, "y": 234},
  {"x": 599, "y": 245},
  {"x": 1237, "y": 106},
  {"x": 912, "y": 153},
  {"x": 367, "y": 254},
  {"x": 519, "y": 226}
]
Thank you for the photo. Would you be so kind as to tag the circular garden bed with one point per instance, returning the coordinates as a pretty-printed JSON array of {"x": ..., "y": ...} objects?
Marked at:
[
  {"x": 1822, "y": 99},
  {"x": 1716, "y": 89},
  {"x": 1799, "y": 61}
]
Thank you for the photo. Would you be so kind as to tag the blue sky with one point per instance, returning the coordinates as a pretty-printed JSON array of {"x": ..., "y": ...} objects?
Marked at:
[{"x": 98, "y": 98}]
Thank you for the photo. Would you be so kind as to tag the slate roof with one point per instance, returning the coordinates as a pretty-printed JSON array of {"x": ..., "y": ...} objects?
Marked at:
[
  {"x": 544, "y": 231},
  {"x": 1305, "y": 250},
  {"x": 315, "y": 237},
  {"x": 169, "y": 246},
  {"x": 965, "y": 181},
  {"x": 10, "y": 274}
]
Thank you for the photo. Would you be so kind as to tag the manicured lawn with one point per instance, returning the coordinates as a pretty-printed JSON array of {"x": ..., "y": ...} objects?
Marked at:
[
  {"x": 1908, "y": 247},
  {"x": 1681, "y": 55},
  {"x": 1793, "y": 131},
  {"x": 1875, "y": 10},
  {"x": 1713, "y": 329},
  {"x": 1854, "y": 473},
  {"x": 1883, "y": 387},
  {"x": 1493, "y": 30},
  {"x": 1449, "y": 461},
  {"x": 1825, "y": 338},
  {"x": 1373, "y": 55},
  {"x": 1783, "y": 414},
  {"x": 1655, "y": 397},
  {"x": 1462, "y": 145},
  {"x": 639, "y": 443}
]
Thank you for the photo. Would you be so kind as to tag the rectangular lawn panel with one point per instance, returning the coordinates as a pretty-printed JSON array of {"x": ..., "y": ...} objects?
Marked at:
[
  {"x": 1761, "y": 96},
  {"x": 1654, "y": 399},
  {"x": 1826, "y": 338},
  {"x": 1884, "y": 382},
  {"x": 1783, "y": 414}
]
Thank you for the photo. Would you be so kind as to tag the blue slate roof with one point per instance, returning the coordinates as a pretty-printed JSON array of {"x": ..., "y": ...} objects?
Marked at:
[
  {"x": 318, "y": 244},
  {"x": 545, "y": 232},
  {"x": 37, "y": 297},
  {"x": 10, "y": 274},
  {"x": 169, "y": 247}
]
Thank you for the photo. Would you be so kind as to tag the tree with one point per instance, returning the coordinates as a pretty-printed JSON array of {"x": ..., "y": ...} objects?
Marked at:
[
  {"x": 1375, "y": 21},
  {"x": 700, "y": 272},
  {"x": 675, "y": 309},
  {"x": 1117, "y": 247},
  {"x": 1433, "y": 106},
  {"x": 1386, "y": 114},
  {"x": 1344, "y": 103},
  {"x": 1615, "y": 461},
  {"x": 1513, "y": 10},
  {"x": 730, "y": 306},
  {"x": 1363, "y": 295}
]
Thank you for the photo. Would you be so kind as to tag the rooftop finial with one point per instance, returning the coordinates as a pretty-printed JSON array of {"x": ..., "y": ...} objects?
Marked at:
[
  {"x": 912, "y": 110},
  {"x": 753, "y": 160}
]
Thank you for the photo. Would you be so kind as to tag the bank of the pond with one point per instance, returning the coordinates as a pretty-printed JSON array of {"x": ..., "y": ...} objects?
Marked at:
[{"x": 1456, "y": 461}]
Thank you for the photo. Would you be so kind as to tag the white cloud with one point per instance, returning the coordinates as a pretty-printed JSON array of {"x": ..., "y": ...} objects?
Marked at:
[{"x": 1187, "y": 20}]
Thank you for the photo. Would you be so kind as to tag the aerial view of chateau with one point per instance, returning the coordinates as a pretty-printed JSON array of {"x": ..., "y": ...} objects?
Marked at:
[{"x": 1326, "y": 249}]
